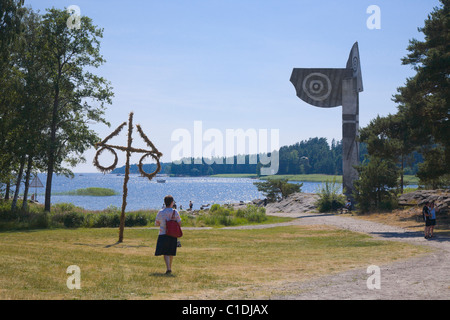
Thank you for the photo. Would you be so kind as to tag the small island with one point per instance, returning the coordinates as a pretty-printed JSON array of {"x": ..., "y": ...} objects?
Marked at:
[{"x": 93, "y": 192}]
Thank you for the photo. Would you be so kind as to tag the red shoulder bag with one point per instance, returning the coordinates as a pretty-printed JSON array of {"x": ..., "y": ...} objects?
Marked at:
[{"x": 173, "y": 229}]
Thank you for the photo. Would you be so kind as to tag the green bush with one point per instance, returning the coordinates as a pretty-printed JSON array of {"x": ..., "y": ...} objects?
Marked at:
[
  {"x": 106, "y": 220},
  {"x": 330, "y": 198},
  {"x": 255, "y": 214},
  {"x": 40, "y": 221},
  {"x": 377, "y": 185},
  {"x": 214, "y": 207},
  {"x": 389, "y": 204},
  {"x": 73, "y": 220},
  {"x": 64, "y": 207},
  {"x": 67, "y": 215},
  {"x": 136, "y": 219},
  {"x": 226, "y": 216},
  {"x": 32, "y": 218}
]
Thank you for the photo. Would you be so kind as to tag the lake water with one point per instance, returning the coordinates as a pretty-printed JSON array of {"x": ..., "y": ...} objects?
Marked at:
[{"x": 145, "y": 194}]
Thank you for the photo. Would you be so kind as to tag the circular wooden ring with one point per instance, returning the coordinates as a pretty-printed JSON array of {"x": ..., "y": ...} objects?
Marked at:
[
  {"x": 158, "y": 166},
  {"x": 102, "y": 168}
]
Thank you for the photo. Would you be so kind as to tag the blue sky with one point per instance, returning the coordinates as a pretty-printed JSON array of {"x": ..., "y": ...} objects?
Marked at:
[{"x": 228, "y": 63}]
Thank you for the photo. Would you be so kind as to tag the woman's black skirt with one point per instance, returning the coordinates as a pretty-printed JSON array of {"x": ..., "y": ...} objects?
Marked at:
[{"x": 166, "y": 246}]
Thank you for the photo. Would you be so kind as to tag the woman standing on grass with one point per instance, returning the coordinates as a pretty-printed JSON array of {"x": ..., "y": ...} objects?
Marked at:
[{"x": 167, "y": 246}]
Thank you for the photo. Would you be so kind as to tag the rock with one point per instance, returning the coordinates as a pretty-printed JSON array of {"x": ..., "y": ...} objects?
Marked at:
[
  {"x": 419, "y": 198},
  {"x": 297, "y": 202}
]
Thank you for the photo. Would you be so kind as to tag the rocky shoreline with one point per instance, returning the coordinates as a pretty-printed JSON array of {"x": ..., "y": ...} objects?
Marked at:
[
  {"x": 419, "y": 198},
  {"x": 306, "y": 202},
  {"x": 297, "y": 202}
]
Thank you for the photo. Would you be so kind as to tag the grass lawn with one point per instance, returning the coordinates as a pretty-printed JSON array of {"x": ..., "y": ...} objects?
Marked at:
[{"x": 211, "y": 264}]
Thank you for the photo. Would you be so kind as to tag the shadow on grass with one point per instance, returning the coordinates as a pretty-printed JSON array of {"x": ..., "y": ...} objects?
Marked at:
[
  {"x": 20, "y": 230},
  {"x": 410, "y": 235},
  {"x": 117, "y": 244},
  {"x": 162, "y": 274},
  {"x": 316, "y": 215}
]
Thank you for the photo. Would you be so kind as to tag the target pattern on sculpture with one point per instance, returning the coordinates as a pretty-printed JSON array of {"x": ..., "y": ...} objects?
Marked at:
[
  {"x": 355, "y": 64},
  {"x": 317, "y": 86}
]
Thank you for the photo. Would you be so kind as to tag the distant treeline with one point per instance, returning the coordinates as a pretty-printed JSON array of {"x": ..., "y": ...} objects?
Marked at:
[{"x": 313, "y": 156}]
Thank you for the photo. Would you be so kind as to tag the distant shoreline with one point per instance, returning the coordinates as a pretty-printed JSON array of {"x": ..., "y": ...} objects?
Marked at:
[{"x": 408, "y": 179}]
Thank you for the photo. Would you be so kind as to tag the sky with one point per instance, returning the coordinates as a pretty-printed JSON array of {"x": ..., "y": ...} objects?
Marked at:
[{"x": 227, "y": 63}]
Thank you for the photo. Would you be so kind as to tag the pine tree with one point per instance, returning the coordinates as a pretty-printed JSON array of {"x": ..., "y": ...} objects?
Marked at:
[{"x": 424, "y": 101}]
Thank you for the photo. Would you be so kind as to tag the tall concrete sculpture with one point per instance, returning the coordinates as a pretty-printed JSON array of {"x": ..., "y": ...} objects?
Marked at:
[{"x": 329, "y": 88}]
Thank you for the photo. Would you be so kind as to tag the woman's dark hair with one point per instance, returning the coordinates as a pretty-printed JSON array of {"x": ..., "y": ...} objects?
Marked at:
[{"x": 168, "y": 200}]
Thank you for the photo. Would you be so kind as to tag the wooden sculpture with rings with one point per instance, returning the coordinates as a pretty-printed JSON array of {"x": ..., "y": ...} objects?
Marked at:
[{"x": 153, "y": 153}]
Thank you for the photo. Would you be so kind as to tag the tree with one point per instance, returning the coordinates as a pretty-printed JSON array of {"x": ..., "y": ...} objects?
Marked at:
[
  {"x": 378, "y": 180},
  {"x": 11, "y": 12},
  {"x": 48, "y": 93},
  {"x": 78, "y": 96},
  {"x": 424, "y": 102},
  {"x": 10, "y": 15},
  {"x": 431, "y": 172},
  {"x": 277, "y": 189},
  {"x": 33, "y": 112},
  {"x": 21, "y": 114},
  {"x": 390, "y": 138}
]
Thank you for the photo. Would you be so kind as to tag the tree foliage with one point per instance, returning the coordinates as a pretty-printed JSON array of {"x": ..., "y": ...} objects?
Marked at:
[
  {"x": 277, "y": 189},
  {"x": 377, "y": 185},
  {"x": 313, "y": 156},
  {"x": 424, "y": 101},
  {"x": 49, "y": 94},
  {"x": 78, "y": 96},
  {"x": 390, "y": 138},
  {"x": 422, "y": 123}
]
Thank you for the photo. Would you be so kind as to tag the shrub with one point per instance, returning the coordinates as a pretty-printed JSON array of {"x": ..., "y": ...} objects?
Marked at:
[
  {"x": 214, "y": 207},
  {"x": 255, "y": 214},
  {"x": 225, "y": 216},
  {"x": 40, "y": 221},
  {"x": 106, "y": 220},
  {"x": 67, "y": 215},
  {"x": 73, "y": 220},
  {"x": 64, "y": 207},
  {"x": 389, "y": 204},
  {"x": 377, "y": 184},
  {"x": 136, "y": 219},
  {"x": 330, "y": 198}
]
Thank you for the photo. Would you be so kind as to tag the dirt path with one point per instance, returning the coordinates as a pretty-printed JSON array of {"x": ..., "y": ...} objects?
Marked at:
[{"x": 425, "y": 277}]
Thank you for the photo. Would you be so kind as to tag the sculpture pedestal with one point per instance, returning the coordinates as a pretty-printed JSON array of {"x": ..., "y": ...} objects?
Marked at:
[{"x": 350, "y": 128}]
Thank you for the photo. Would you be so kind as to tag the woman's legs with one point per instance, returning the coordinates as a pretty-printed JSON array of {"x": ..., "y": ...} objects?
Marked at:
[
  {"x": 168, "y": 260},
  {"x": 427, "y": 231},
  {"x": 432, "y": 229}
]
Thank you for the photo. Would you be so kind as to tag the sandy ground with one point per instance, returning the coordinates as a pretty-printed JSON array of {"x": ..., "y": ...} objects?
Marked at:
[{"x": 422, "y": 278}]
